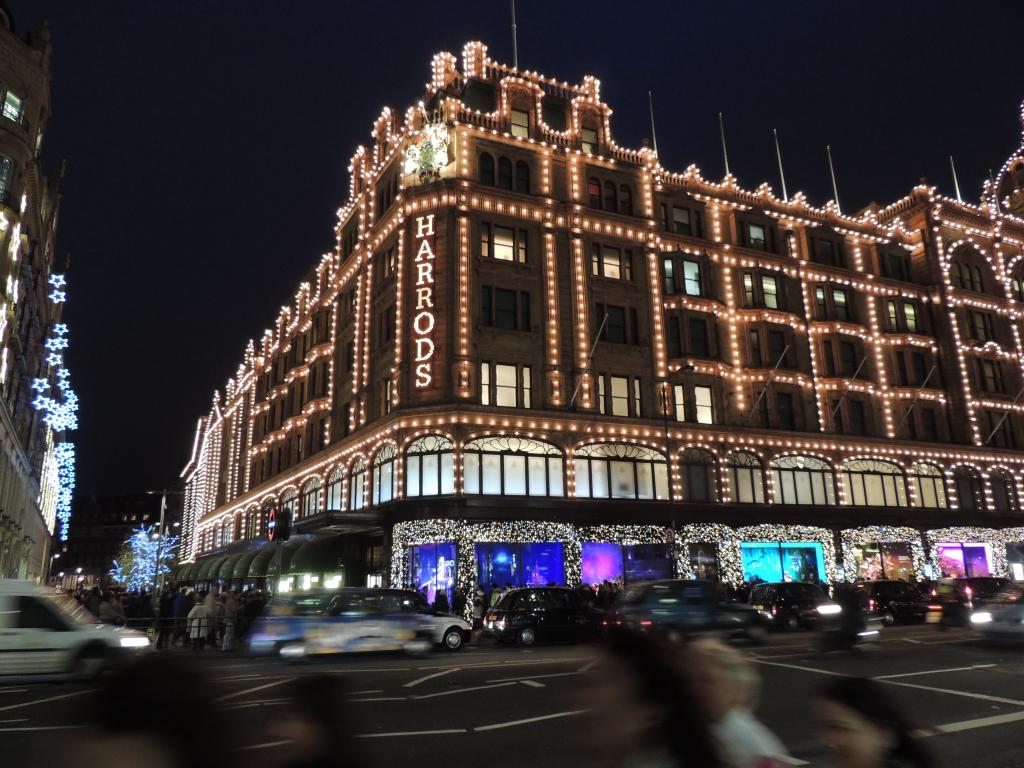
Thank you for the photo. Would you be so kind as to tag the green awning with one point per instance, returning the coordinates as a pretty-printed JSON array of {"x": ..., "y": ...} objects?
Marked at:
[
  {"x": 208, "y": 567},
  {"x": 281, "y": 562},
  {"x": 243, "y": 563},
  {"x": 319, "y": 555},
  {"x": 261, "y": 563},
  {"x": 227, "y": 567},
  {"x": 183, "y": 573}
]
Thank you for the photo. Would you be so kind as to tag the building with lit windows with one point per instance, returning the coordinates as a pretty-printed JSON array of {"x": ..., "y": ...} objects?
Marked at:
[
  {"x": 538, "y": 356},
  {"x": 31, "y": 505}
]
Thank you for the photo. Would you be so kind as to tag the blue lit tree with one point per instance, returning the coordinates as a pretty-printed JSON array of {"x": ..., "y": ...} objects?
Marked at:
[{"x": 144, "y": 557}]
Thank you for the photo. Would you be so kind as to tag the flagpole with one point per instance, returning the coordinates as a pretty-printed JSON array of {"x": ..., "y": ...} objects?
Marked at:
[
  {"x": 725, "y": 152},
  {"x": 956, "y": 183},
  {"x": 515, "y": 42},
  {"x": 782, "y": 173},
  {"x": 654, "y": 135},
  {"x": 832, "y": 171}
]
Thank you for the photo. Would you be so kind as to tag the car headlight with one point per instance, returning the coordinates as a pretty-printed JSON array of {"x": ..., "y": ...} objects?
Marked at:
[
  {"x": 134, "y": 642},
  {"x": 981, "y": 617},
  {"x": 499, "y": 625},
  {"x": 829, "y": 609}
]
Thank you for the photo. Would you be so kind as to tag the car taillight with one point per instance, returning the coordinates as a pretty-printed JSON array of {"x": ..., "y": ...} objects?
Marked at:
[
  {"x": 646, "y": 623},
  {"x": 871, "y": 605},
  {"x": 968, "y": 591},
  {"x": 774, "y": 610}
]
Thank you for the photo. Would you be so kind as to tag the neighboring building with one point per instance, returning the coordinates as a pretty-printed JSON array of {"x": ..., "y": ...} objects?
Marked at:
[
  {"x": 522, "y": 320},
  {"x": 99, "y": 528},
  {"x": 30, "y": 452}
]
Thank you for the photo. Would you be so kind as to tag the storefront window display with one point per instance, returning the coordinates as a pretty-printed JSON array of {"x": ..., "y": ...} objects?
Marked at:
[
  {"x": 783, "y": 561},
  {"x": 1015, "y": 560},
  {"x": 603, "y": 561},
  {"x": 704, "y": 561},
  {"x": 519, "y": 565},
  {"x": 432, "y": 568},
  {"x": 883, "y": 560},
  {"x": 646, "y": 562},
  {"x": 964, "y": 559}
]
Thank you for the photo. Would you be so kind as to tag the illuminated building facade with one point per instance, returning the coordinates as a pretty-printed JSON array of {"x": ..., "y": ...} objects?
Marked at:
[
  {"x": 30, "y": 448},
  {"x": 535, "y": 355}
]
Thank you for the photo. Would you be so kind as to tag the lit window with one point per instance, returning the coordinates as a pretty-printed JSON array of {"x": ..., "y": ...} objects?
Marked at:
[
  {"x": 588, "y": 140},
  {"x": 505, "y": 385},
  {"x": 691, "y": 278},
  {"x": 504, "y": 244},
  {"x": 704, "y": 410},
  {"x": 668, "y": 284},
  {"x": 512, "y": 466},
  {"x": 620, "y": 472},
  {"x": 910, "y": 315},
  {"x": 485, "y": 384},
  {"x": 620, "y": 395},
  {"x": 520, "y": 123},
  {"x": 757, "y": 237},
  {"x": 13, "y": 106},
  {"x": 430, "y": 467},
  {"x": 770, "y": 288}
]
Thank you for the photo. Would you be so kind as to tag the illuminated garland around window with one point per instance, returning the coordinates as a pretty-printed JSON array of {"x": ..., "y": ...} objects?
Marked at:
[
  {"x": 780, "y": 533},
  {"x": 60, "y": 411},
  {"x": 882, "y": 534},
  {"x": 998, "y": 539}
]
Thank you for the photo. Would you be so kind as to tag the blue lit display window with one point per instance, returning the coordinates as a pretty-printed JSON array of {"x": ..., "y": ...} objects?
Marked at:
[
  {"x": 520, "y": 565},
  {"x": 783, "y": 561},
  {"x": 432, "y": 568}
]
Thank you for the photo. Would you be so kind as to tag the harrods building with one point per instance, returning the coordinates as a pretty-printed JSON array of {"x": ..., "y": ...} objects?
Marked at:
[{"x": 536, "y": 356}]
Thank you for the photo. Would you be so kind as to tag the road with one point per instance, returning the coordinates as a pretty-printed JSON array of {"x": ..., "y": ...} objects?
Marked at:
[{"x": 534, "y": 706}]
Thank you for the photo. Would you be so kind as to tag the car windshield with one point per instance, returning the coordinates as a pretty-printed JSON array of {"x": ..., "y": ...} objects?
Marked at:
[{"x": 800, "y": 591}]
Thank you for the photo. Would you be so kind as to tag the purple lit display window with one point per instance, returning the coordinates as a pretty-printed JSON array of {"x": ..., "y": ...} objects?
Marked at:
[{"x": 601, "y": 561}]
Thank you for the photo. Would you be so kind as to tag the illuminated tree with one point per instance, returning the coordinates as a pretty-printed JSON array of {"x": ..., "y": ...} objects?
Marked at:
[{"x": 143, "y": 558}]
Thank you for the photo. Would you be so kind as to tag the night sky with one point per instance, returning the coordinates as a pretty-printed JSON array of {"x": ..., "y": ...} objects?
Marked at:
[{"x": 207, "y": 146}]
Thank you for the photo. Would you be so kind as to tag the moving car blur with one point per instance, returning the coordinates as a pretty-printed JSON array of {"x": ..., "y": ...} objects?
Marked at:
[
  {"x": 544, "y": 614},
  {"x": 680, "y": 607},
  {"x": 894, "y": 601},
  {"x": 347, "y": 620},
  {"x": 952, "y": 601},
  {"x": 45, "y": 632},
  {"x": 1002, "y": 618},
  {"x": 792, "y": 605}
]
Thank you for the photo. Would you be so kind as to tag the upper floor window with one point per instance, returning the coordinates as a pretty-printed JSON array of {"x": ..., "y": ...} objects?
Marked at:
[
  {"x": 694, "y": 403},
  {"x": 999, "y": 430},
  {"x": 760, "y": 290},
  {"x": 522, "y": 177},
  {"x": 594, "y": 192},
  {"x": 803, "y": 480},
  {"x": 430, "y": 467},
  {"x": 930, "y": 486},
  {"x": 506, "y": 385},
  {"x": 620, "y": 324},
  {"x": 968, "y": 276},
  {"x": 981, "y": 326},
  {"x": 990, "y": 374},
  {"x": 608, "y": 261},
  {"x": 503, "y": 243},
  {"x": 682, "y": 220},
  {"x": 504, "y": 173},
  {"x": 1017, "y": 289},
  {"x": 13, "y": 106},
  {"x": 311, "y": 498},
  {"x": 833, "y": 303},
  {"x": 618, "y": 395},
  {"x": 757, "y": 235},
  {"x": 684, "y": 275},
  {"x": 520, "y": 120},
  {"x": 588, "y": 140},
  {"x": 826, "y": 251},
  {"x": 334, "y": 499},
  {"x": 746, "y": 478},
  {"x": 895, "y": 263},
  {"x": 620, "y": 471},
  {"x": 873, "y": 483},
  {"x": 902, "y": 316},
  {"x": 383, "y": 482},
  {"x": 512, "y": 466},
  {"x": 357, "y": 485},
  {"x": 625, "y": 200},
  {"x": 487, "y": 169},
  {"x": 697, "y": 475},
  {"x": 611, "y": 198},
  {"x": 505, "y": 308}
]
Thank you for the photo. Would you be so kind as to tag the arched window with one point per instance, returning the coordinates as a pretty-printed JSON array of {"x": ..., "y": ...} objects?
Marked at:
[
  {"x": 966, "y": 270},
  {"x": 504, "y": 173},
  {"x": 931, "y": 488},
  {"x": 512, "y": 466},
  {"x": 384, "y": 474},
  {"x": 968, "y": 489},
  {"x": 697, "y": 473},
  {"x": 1004, "y": 492},
  {"x": 620, "y": 471},
  {"x": 311, "y": 497},
  {"x": 288, "y": 504},
  {"x": 335, "y": 500},
  {"x": 803, "y": 480},
  {"x": 747, "y": 478},
  {"x": 430, "y": 466},
  {"x": 522, "y": 177},
  {"x": 486, "y": 169},
  {"x": 252, "y": 522},
  {"x": 226, "y": 536},
  {"x": 216, "y": 536},
  {"x": 268, "y": 507},
  {"x": 357, "y": 486},
  {"x": 594, "y": 192},
  {"x": 1017, "y": 288},
  {"x": 871, "y": 483},
  {"x": 625, "y": 200},
  {"x": 611, "y": 201}
]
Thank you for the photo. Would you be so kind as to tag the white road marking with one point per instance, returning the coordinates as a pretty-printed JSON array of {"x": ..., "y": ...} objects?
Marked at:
[
  {"x": 419, "y": 680},
  {"x": 240, "y": 677},
  {"x": 509, "y": 663},
  {"x": 13, "y": 690},
  {"x": 980, "y": 722},
  {"x": 935, "y": 671},
  {"x": 363, "y": 693},
  {"x": 513, "y": 723},
  {"x": 408, "y": 733},
  {"x": 379, "y": 698},
  {"x": 530, "y": 677},
  {"x": 236, "y": 694},
  {"x": 43, "y": 701},
  {"x": 460, "y": 690},
  {"x": 533, "y": 683},
  {"x": 15, "y": 720},
  {"x": 265, "y": 745},
  {"x": 967, "y": 694},
  {"x": 792, "y": 760},
  {"x": 797, "y": 666},
  {"x": 40, "y": 728},
  {"x": 588, "y": 666}
]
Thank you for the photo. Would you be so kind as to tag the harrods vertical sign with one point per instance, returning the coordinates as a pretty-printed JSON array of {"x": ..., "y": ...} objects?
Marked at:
[{"x": 425, "y": 320}]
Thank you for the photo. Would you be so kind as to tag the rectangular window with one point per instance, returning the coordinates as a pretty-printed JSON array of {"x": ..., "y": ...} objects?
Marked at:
[
  {"x": 757, "y": 237},
  {"x": 620, "y": 395},
  {"x": 929, "y": 425},
  {"x": 505, "y": 308},
  {"x": 679, "y": 398},
  {"x": 698, "y": 330},
  {"x": 705, "y": 412},
  {"x": 901, "y": 365},
  {"x": 776, "y": 349},
  {"x": 981, "y": 326},
  {"x": 681, "y": 221},
  {"x": 840, "y": 304},
  {"x": 770, "y": 289},
  {"x": 485, "y": 383},
  {"x": 503, "y": 243},
  {"x": 692, "y": 279},
  {"x": 784, "y": 410},
  {"x": 505, "y": 377},
  {"x": 756, "y": 360},
  {"x": 520, "y": 123},
  {"x": 820, "y": 304},
  {"x": 668, "y": 276},
  {"x": 527, "y": 387},
  {"x": 910, "y": 316},
  {"x": 748, "y": 289},
  {"x": 13, "y": 106},
  {"x": 918, "y": 361},
  {"x": 614, "y": 263},
  {"x": 858, "y": 422},
  {"x": 894, "y": 266},
  {"x": 615, "y": 327},
  {"x": 675, "y": 342},
  {"x": 602, "y": 405},
  {"x": 588, "y": 140},
  {"x": 894, "y": 321},
  {"x": 991, "y": 376},
  {"x": 848, "y": 358},
  {"x": 826, "y": 252},
  {"x": 636, "y": 398}
]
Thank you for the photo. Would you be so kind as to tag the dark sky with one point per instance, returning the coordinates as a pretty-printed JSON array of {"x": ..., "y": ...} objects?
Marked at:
[{"x": 207, "y": 146}]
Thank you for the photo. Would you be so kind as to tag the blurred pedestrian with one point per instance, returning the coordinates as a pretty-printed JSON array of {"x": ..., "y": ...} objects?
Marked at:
[
  {"x": 230, "y": 620},
  {"x": 212, "y": 610},
  {"x": 478, "y": 610},
  {"x": 111, "y": 611},
  {"x": 165, "y": 619},
  {"x": 864, "y": 728},
  {"x": 459, "y": 602},
  {"x": 180, "y": 609},
  {"x": 198, "y": 629},
  {"x": 441, "y": 602},
  {"x": 729, "y": 686}
]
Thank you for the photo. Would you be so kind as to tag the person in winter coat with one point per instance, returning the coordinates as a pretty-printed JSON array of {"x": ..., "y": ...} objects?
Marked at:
[
  {"x": 212, "y": 617},
  {"x": 230, "y": 621},
  {"x": 111, "y": 611},
  {"x": 459, "y": 602},
  {"x": 165, "y": 615},
  {"x": 197, "y": 625}
]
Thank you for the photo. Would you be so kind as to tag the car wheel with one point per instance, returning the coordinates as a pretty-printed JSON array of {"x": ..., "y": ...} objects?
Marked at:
[
  {"x": 89, "y": 663},
  {"x": 452, "y": 640},
  {"x": 527, "y": 636},
  {"x": 792, "y": 622},
  {"x": 888, "y": 618}
]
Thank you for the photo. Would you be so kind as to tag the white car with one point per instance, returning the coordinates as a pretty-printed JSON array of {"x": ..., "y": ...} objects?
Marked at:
[
  {"x": 40, "y": 635},
  {"x": 449, "y": 631},
  {"x": 1002, "y": 618}
]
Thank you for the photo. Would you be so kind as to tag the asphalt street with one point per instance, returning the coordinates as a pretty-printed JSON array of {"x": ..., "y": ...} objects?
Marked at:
[{"x": 509, "y": 706}]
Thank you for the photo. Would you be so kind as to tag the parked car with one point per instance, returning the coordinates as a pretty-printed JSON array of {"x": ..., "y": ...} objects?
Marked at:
[
  {"x": 449, "y": 631},
  {"x": 41, "y": 633},
  {"x": 535, "y": 614},
  {"x": 347, "y": 620},
  {"x": 954, "y": 600},
  {"x": 792, "y": 604},
  {"x": 1002, "y": 618},
  {"x": 678, "y": 606},
  {"x": 893, "y": 601}
]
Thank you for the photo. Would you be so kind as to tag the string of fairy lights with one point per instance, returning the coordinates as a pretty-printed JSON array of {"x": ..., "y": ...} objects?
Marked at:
[{"x": 988, "y": 227}]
